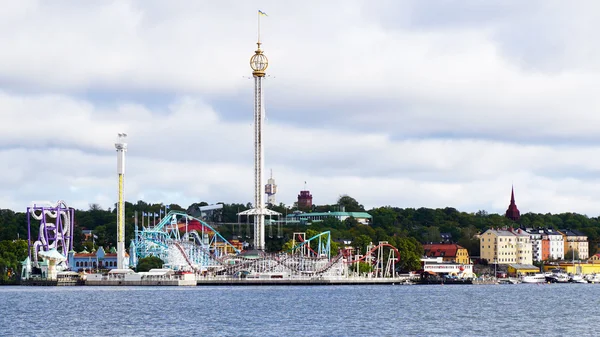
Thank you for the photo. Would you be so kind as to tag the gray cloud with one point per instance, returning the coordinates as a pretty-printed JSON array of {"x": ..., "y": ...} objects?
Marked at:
[{"x": 402, "y": 103}]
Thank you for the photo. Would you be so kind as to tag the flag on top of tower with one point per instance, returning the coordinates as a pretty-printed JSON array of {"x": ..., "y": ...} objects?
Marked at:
[{"x": 262, "y": 13}]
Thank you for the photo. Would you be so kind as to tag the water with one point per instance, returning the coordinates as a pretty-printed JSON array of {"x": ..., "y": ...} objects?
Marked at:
[{"x": 459, "y": 310}]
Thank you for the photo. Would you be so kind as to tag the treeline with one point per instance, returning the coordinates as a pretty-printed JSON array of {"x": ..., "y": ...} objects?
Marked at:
[{"x": 405, "y": 228}]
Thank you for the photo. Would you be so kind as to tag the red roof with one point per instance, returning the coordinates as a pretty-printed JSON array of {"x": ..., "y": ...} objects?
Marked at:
[
  {"x": 194, "y": 225},
  {"x": 441, "y": 249},
  {"x": 82, "y": 255},
  {"x": 78, "y": 255},
  {"x": 114, "y": 255}
]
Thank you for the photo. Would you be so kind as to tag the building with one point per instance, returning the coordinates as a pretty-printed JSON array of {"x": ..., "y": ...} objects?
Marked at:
[
  {"x": 271, "y": 190},
  {"x": 95, "y": 260},
  {"x": 536, "y": 237},
  {"x": 87, "y": 234},
  {"x": 449, "y": 252},
  {"x": 556, "y": 247},
  {"x": 517, "y": 269},
  {"x": 545, "y": 250},
  {"x": 438, "y": 266},
  {"x": 547, "y": 244},
  {"x": 524, "y": 250},
  {"x": 305, "y": 200},
  {"x": 505, "y": 246},
  {"x": 513, "y": 212},
  {"x": 594, "y": 259},
  {"x": 584, "y": 268},
  {"x": 576, "y": 241},
  {"x": 497, "y": 246},
  {"x": 362, "y": 217},
  {"x": 446, "y": 237}
]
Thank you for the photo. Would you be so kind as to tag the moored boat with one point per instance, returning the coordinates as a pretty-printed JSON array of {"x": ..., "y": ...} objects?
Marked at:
[
  {"x": 557, "y": 276},
  {"x": 577, "y": 278},
  {"x": 593, "y": 278},
  {"x": 533, "y": 278}
]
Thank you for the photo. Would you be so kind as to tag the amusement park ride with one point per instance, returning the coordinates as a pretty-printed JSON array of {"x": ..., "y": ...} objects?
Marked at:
[
  {"x": 188, "y": 244},
  {"x": 48, "y": 253}
]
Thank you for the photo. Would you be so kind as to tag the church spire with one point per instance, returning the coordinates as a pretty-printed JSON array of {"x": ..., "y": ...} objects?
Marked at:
[
  {"x": 513, "y": 212},
  {"x": 512, "y": 195}
]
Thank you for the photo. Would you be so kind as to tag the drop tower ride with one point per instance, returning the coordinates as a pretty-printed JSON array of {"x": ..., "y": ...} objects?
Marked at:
[
  {"x": 121, "y": 147},
  {"x": 259, "y": 64}
]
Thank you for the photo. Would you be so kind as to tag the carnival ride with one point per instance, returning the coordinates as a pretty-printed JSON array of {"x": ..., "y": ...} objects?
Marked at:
[
  {"x": 383, "y": 259},
  {"x": 300, "y": 261},
  {"x": 55, "y": 236},
  {"x": 188, "y": 243},
  {"x": 183, "y": 242}
]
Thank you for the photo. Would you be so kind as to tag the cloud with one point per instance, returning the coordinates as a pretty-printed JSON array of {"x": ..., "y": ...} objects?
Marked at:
[{"x": 400, "y": 103}]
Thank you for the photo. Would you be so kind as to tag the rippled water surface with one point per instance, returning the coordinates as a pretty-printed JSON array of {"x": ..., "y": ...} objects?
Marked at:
[{"x": 493, "y": 310}]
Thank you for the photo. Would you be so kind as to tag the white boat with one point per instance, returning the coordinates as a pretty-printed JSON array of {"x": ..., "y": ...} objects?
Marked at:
[
  {"x": 534, "y": 278},
  {"x": 593, "y": 278},
  {"x": 577, "y": 279},
  {"x": 557, "y": 276}
]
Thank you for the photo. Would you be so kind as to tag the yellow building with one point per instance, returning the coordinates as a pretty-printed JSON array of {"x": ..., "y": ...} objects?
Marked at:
[
  {"x": 449, "y": 252},
  {"x": 462, "y": 255},
  {"x": 576, "y": 241},
  {"x": 506, "y": 246},
  {"x": 575, "y": 268},
  {"x": 524, "y": 247},
  {"x": 594, "y": 259},
  {"x": 516, "y": 269}
]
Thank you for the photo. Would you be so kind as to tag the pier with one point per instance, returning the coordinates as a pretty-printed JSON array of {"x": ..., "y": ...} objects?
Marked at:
[{"x": 300, "y": 281}]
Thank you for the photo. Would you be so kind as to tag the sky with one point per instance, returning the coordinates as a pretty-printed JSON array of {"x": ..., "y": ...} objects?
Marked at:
[{"x": 401, "y": 103}]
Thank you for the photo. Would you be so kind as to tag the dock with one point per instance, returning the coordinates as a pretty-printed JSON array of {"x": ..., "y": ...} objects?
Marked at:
[{"x": 299, "y": 281}]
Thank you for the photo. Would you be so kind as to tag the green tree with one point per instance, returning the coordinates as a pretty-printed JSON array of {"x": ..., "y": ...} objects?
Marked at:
[
  {"x": 150, "y": 262},
  {"x": 411, "y": 252},
  {"x": 384, "y": 217},
  {"x": 287, "y": 246},
  {"x": 361, "y": 242},
  {"x": 363, "y": 267},
  {"x": 569, "y": 255},
  {"x": 350, "y": 204},
  {"x": 433, "y": 234},
  {"x": 12, "y": 253}
]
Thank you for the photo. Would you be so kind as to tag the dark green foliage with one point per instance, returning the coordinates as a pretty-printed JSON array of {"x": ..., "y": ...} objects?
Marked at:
[
  {"x": 405, "y": 228},
  {"x": 350, "y": 204},
  {"x": 363, "y": 267},
  {"x": 150, "y": 262},
  {"x": 12, "y": 253}
]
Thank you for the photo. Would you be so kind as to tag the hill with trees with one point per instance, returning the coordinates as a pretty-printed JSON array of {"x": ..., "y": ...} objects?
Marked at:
[{"x": 405, "y": 228}]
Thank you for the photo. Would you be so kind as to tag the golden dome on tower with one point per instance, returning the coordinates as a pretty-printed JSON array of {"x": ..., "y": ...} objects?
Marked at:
[{"x": 259, "y": 62}]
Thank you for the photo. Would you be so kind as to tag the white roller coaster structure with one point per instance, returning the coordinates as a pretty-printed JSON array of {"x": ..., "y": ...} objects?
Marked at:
[
  {"x": 203, "y": 250},
  {"x": 55, "y": 230}
]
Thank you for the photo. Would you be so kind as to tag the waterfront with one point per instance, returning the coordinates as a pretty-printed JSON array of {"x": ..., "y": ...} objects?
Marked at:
[{"x": 525, "y": 309}]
